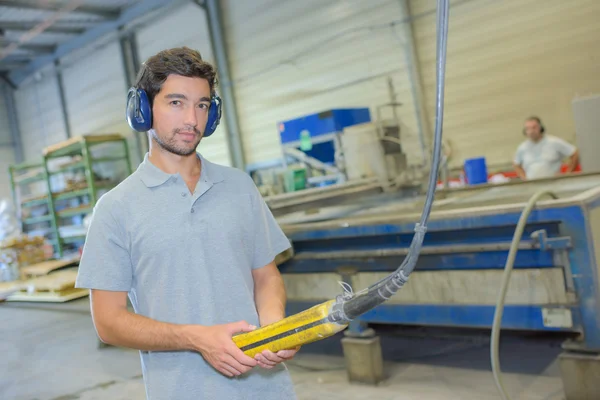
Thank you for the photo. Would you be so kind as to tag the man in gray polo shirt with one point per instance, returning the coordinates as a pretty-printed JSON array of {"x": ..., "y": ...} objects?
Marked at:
[{"x": 193, "y": 245}]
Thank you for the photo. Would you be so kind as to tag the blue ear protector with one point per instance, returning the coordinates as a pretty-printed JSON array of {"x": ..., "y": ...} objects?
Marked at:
[{"x": 139, "y": 112}]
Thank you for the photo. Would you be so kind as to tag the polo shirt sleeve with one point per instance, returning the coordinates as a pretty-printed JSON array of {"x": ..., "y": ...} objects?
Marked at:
[
  {"x": 269, "y": 239},
  {"x": 563, "y": 147},
  {"x": 105, "y": 262},
  {"x": 518, "y": 158}
]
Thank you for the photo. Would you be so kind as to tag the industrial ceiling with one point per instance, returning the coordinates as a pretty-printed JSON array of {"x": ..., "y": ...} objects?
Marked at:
[{"x": 36, "y": 33}]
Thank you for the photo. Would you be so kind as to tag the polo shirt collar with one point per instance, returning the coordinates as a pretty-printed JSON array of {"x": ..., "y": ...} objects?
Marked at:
[{"x": 153, "y": 176}]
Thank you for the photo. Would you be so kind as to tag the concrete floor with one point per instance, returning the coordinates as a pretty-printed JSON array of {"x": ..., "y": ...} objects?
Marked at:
[{"x": 49, "y": 352}]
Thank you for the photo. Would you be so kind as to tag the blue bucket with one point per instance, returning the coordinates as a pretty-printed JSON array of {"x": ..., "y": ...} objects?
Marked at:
[{"x": 476, "y": 171}]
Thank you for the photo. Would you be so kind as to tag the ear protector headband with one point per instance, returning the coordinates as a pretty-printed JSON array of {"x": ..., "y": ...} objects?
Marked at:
[
  {"x": 139, "y": 112},
  {"x": 542, "y": 129}
]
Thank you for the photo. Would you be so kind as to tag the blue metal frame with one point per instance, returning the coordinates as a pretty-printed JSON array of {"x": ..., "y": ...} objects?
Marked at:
[
  {"x": 322, "y": 123},
  {"x": 565, "y": 229},
  {"x": 515, "y": 317}
]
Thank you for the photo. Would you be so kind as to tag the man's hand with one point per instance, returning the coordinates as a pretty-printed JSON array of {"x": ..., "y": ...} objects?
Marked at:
[
  {"x": 520, "y": 172},
  {"x": 267, "y": 359},
  {"x": 217, "y": 348}
]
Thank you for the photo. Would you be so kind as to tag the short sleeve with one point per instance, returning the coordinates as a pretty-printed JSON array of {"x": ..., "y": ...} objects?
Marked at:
[
  {"x": 105, "y": 262},
  {"x": 269, "y": 239},
  {"x": 518, "y": 159},
  {"x": 564, "y": 148}
]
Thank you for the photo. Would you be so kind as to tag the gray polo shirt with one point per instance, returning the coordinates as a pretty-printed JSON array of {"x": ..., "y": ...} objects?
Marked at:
[{"x": 187, "y": 259}]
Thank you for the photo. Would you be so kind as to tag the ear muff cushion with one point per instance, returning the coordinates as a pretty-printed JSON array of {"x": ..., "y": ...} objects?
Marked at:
[
  {"x": 139, "y": 112},
  {"x": 214, "y": 116}
]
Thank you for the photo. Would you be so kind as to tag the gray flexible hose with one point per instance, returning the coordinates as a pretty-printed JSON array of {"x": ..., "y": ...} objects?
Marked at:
[
  {"x": 382, "y": 290},
  {"x": 510, "y": 261}
]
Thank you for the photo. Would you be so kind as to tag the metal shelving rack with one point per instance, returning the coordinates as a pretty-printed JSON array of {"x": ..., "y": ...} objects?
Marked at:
[
  {"x": 79, "y": 149},
  {"x": 22, "y": 175}
]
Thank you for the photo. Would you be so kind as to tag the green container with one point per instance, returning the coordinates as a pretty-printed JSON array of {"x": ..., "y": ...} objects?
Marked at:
[{"x": 294, "y": 179}]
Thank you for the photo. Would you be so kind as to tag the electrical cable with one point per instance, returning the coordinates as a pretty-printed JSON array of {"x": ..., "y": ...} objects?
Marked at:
[
  {"x": 330, "y": 317},
  {"x": 512, "y": 253},
  {"x": 381, "y": 291}
]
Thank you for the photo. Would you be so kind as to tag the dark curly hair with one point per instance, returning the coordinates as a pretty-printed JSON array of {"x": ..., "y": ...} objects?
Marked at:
[{"x": 179, "y": 61}]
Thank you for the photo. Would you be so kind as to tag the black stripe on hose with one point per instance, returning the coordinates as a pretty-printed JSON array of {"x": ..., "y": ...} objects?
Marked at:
[{"x": 284, "y": 334}]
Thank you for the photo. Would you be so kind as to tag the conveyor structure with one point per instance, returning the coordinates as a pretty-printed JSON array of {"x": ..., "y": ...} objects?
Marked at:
[{"x": 554, "y": 285}]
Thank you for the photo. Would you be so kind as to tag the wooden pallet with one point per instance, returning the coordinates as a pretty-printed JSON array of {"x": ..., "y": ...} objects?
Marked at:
[
  {"x": 56, "y": 287},
  {"x": 81, "y": 139},
  {"x": 8, "y": 288},
  {"x": 44, "y": 268},
  {"x": 49, "y": 297}
]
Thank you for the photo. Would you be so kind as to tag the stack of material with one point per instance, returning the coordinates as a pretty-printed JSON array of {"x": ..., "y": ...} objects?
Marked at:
[
  {"x": 49, "y": 281},
  {"x": 27, "y": 249},
  {"x": 18, "y": 252},
  {"x": 8, "y": 288}
]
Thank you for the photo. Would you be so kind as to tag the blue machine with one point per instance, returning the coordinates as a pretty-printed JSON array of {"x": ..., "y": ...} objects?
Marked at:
[
  {"x": 554, "y": 285},
  {"x": 317, "y": 135}
]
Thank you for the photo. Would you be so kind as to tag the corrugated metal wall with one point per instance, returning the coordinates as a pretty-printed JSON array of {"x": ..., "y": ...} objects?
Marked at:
[
  {"x": 39, "y": 114},
  {"x": 186, "y": 26},
  {"x": 7, "y": 152},
  {"x": 95, "y": 90},
  {"x": 507, "y": 60},
  {"x": 291, "y": 58}
]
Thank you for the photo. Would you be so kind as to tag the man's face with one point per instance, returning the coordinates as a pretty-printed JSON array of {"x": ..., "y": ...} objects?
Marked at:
[
  {"x": 180, "y": 111},
  {"x": 533, "y": 130}
]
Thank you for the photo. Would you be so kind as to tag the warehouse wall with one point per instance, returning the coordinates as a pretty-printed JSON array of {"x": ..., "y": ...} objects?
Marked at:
[
  {"x": 7, "y": 152},
  {"x": 507, "y": 60},
  {"x": 39, "y": 114},
  {"x": 291, "y": 58}
]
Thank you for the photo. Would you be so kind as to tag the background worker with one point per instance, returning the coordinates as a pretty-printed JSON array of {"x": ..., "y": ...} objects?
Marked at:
[{"x": 542, "y": 155}]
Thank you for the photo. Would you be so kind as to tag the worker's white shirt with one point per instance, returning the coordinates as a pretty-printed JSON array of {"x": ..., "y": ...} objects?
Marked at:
[{"x": 544, "y": 158}]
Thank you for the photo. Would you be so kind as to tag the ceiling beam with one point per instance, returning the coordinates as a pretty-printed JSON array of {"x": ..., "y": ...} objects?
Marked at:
[
  {"x": 41, "y": 27},
  {"x": 36, "y": 48},
  {"x": 17, "y": 58},
  {"x": 104, "y": 12},
  {"x": 13, "y": 65},
  {"x": 104, "y": 28},
  {"x": 29, "y": 25}
]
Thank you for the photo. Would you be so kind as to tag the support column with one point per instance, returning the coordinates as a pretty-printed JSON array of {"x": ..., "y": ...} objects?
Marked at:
[
  {"x": 13, "y": 123},
  {"x": 416, "y": 82},
  {"x": 63, "y": 99},
  {"x": 217, "y": 38},
  {"x": 131, "y": 67},
  {"x": 361, "y": 346},
  {"x": 580, "y": 375}
]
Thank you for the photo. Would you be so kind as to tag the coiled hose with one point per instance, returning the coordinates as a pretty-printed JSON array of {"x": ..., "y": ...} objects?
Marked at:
[{"x": 510, "y": 261}]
